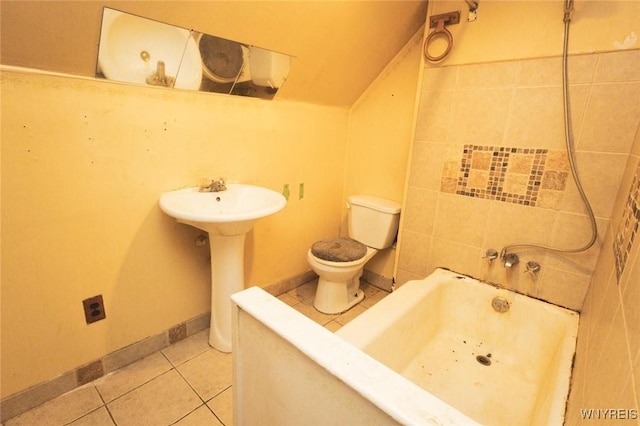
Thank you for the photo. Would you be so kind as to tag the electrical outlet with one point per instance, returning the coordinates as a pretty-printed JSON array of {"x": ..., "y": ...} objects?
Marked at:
[
  {"x": 94, "y": 309},
  {"x": 301, "y": 191}
]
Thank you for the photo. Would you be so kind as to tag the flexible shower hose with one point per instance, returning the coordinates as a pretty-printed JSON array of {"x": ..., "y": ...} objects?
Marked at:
[{"x": 568, "y": 136}]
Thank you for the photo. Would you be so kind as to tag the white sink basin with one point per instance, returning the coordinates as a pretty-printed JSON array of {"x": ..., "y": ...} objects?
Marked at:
[
  {"x": 229, "y": 212},
  {"x": 131, "y": 46},
  {"x": 227, "y": 216}
]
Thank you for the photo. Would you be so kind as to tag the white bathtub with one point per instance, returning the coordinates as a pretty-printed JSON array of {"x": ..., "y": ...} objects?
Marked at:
[{"x": 411, "y": 359}]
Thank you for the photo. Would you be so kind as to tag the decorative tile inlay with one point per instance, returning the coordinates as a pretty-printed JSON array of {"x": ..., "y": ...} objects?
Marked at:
[
  {"x": 89, "y": 372},
  {"x": 177, "y": 333},
  {"x": 628, "y": 228},
  {"x": 512, "y": 175}
]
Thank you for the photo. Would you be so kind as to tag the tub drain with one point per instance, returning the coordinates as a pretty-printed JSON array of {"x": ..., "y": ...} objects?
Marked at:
[{"x": 484, "y": 360}]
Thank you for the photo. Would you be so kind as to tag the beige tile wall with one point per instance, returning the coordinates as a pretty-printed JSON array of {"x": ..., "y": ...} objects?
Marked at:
[
  {"x": 607, "y": 363},
  {"x": 518, "y": 105}
]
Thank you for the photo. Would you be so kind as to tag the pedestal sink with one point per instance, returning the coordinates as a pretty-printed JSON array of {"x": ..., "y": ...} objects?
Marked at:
[{"x": 227, "y": 216}]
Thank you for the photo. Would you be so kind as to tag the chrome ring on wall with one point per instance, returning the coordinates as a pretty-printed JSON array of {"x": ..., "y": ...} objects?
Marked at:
[{"x": 441, "y": 31}]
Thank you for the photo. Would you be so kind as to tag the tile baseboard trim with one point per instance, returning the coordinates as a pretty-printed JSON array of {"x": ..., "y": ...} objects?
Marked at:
[
  {"x": 34, "y": 396},
  {"x": 377, "y": 280},
  {"x": 290, "y": 283}
]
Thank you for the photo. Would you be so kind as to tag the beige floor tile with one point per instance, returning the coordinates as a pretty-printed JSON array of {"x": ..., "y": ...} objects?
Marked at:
[
  {"x": 304, "y": 292},
  {"x": 368, "y": 289},
  {"x": 313, "y": 313},
  {"x": 128, "y": 378},
  {"x": 200, "y": 417},
  {"x": 182, "y": 351},
  {"x": 62, "y": 410},
  {"x": 350, "y": 314},
  {"x": 288, "y": 299},
  {"x": 374, "y": 298},
  {"x": 99, "y": 417},
  {"x": 162, "y": 401},
  {"x": 308, "y": 302},
  {"x": 333, "y": 326},
  {"x": 222, "y": 406},
  {"x": 209, "y": 373}
]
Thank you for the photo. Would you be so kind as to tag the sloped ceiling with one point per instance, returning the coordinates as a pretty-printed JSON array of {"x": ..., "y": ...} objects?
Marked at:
[{"x": 339, "y": 46}]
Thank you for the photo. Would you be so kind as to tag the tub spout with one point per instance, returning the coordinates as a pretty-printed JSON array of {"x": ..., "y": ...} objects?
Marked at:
[{"x": 510, "y": 260}]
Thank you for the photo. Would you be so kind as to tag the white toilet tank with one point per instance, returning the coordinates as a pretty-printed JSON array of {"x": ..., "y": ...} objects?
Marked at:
[{"x": 373, "y": 220}]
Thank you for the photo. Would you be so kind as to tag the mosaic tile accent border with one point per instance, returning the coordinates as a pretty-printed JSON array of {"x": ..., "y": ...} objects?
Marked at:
[
  {"x": 526, "y": 176},
  {"x": 628, "y": 228}
]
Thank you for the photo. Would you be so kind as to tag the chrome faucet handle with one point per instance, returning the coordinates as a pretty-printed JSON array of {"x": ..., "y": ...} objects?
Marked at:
[
  {"x": 532, "y": 269},
  {"x": 219, "y": 184},
  {"x": 490, "y": 255}
]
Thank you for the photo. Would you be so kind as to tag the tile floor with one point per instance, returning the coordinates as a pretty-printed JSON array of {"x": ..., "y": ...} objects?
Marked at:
[{"x": 187, "y": 383}]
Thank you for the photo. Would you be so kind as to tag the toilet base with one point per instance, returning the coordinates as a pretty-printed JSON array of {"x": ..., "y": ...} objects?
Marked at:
[{"x": 337, "y": 297}]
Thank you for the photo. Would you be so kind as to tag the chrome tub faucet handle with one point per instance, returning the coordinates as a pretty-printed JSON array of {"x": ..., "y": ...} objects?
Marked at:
[
  {"x": 532, "y": 269},
  {"x": 490, "y": 255}
]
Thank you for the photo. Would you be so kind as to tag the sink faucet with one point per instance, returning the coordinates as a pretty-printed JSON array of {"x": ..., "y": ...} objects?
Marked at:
[
  {"x": 160, "y": 78},
  {"x": 216, "y": 185}
]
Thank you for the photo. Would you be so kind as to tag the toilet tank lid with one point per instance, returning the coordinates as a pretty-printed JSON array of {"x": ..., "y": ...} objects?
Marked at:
[{"x": 376, "y": 203}]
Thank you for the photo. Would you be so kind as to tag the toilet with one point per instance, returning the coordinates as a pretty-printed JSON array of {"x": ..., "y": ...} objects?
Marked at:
[{"x": 339, "y": 262}]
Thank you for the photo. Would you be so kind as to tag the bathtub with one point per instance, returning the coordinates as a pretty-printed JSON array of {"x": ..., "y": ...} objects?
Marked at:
[{"x": 434, "y": 352}]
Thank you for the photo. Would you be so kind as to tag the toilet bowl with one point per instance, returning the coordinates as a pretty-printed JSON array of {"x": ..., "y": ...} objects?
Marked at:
[
  {"x": 339, "y": 263},
  {"x": 338, "y": 283}
]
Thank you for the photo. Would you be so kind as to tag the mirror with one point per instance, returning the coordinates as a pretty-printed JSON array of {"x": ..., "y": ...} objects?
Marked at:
[{"x": 143, "y": 51}]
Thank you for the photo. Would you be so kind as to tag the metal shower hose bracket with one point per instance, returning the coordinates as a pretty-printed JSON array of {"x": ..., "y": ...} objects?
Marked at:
[{"x": 440, "y": 22}]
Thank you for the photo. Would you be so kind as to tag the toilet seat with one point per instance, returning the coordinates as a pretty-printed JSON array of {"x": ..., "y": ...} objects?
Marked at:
[{"x": 339, "y": 250}]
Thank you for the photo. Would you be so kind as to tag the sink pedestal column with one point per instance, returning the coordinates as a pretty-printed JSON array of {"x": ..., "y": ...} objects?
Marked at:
[
  {"x": 227, "y": 277},
  {"x": 226, "y": 216}
]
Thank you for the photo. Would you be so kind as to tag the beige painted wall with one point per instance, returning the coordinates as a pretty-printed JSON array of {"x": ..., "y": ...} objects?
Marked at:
[
  {"x": 83, "y": 165},
  {"x": 381, "y": 128}
]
